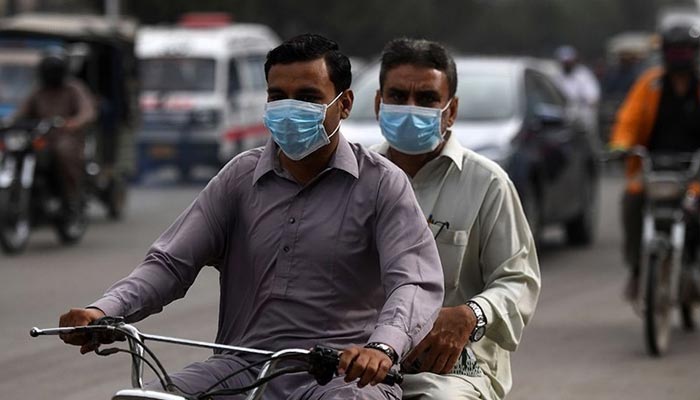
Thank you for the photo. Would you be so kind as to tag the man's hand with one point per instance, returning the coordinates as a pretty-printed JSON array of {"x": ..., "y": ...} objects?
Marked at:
[
  {"x": 80, "y": 317},
  {"x": 440, "y": 350},
  {"x": 370, "y": 365}
]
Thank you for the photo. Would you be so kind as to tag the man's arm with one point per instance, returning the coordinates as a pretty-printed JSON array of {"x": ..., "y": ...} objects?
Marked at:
[
  {"x": 509, "y": 265},
  {"x": 411, "y": 276},
  {"x": 410, "y": 267},
  {"x": 196, "y": 238},
  {"x": 85, "y": 104}
]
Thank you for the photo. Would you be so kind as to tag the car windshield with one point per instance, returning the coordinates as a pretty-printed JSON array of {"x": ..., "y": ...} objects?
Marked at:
[
  {"x": 177, "y": 74},
  {"x": 16, "y": 81},
  {"x": 484, "y": 95}
]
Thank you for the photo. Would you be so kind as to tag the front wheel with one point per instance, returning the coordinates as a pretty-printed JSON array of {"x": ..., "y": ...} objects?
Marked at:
[
  {"x": 657, "y": 302},
  {"x": 15, "y": 222}
]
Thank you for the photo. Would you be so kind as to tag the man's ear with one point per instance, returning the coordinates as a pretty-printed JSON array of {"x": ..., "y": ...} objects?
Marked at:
[
  {"x": 452, "y": 112},
  {"x": 346, "y": 101},
  {"x": 377, "y": 102}
]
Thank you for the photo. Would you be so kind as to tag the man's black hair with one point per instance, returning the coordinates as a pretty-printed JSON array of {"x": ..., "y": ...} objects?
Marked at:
[
  {"x": 418, "y": 52},
  {"x": 309, "y": 47}
]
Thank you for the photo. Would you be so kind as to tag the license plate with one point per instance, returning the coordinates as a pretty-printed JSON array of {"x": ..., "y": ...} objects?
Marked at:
[{"x": 161, "y": 152}]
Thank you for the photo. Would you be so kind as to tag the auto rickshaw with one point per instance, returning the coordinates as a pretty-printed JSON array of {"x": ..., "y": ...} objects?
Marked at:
[{"x": 101, "y": 53}]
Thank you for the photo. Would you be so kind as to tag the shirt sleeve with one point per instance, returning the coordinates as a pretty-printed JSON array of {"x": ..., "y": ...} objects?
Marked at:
[
  {"x": 196, "y": 238},
  {"x": 509, "y": 265},
  {"x": 410, "y": 267}
]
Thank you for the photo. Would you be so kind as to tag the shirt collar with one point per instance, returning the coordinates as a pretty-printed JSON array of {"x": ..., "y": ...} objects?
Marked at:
[
  {"x": 452, "y": 150},
  {"x": 343, "y": 159}
]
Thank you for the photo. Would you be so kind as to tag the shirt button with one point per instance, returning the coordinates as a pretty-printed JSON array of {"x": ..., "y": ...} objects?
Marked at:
[
  {"x": 292, "y": 220},
  {"x": 286, "y": 249}
]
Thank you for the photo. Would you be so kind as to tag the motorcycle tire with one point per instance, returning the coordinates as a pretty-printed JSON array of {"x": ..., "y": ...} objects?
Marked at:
[
  {"x": 15, "y": 219},
  {"x": 657, "y": 305},
  {"x": 115, "y": 200},
  {"x": 70, "y": 230},
  {"x": 688, "y": 317}
]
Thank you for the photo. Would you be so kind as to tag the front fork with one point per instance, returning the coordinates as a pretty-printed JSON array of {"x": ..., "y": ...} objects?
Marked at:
[{"x": 665, "y": 246}]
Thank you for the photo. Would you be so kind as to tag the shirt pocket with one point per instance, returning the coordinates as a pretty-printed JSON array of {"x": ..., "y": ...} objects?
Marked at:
[{"x": 451, "y": 248}]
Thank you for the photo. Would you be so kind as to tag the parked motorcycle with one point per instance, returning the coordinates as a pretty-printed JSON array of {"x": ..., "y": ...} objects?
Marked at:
[{"x": 29, "y": 191}]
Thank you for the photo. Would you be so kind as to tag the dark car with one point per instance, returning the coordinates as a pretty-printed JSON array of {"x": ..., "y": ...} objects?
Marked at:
[{"x": 513, "y": 113}]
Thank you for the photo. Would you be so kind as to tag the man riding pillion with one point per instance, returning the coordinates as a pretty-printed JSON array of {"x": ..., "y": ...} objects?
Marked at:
[
  {"x": 492, "y": 278},
  {"x": 662, "y": 113},
  {"x": 317, "y": 241},
  {"x": 60, "y": 96}
]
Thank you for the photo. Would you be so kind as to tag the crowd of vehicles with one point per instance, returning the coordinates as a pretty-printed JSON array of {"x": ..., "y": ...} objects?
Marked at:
[
  {"x": 511, "y": 111},
  {"x": 203, "y": 91}
]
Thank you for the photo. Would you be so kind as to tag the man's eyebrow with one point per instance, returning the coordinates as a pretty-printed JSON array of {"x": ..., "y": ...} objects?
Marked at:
[
  {"x": 309, "y": 90},
  {"x": 396, "y": 90}
]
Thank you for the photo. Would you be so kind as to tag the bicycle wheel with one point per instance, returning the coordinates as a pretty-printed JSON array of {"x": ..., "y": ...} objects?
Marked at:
[{"x": 657, "y": 313}]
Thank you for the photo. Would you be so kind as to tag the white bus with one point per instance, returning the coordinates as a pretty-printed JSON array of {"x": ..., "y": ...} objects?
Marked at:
[{"x": 203, "y": 92}]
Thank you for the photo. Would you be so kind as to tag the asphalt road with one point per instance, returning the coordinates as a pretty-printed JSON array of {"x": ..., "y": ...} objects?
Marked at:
[{"x": 584, "y": 342}]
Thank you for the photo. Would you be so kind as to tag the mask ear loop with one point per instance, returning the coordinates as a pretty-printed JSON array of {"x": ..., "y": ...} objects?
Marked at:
[
  {"x": 442, "y": 134},
  {"x": 324, "y": 114}
]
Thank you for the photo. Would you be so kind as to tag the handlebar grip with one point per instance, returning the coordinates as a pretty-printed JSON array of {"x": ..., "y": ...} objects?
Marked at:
[{"x": 393, "y": 378}]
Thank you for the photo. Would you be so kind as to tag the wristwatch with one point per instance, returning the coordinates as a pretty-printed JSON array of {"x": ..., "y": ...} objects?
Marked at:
[
  {"x": 384, "y": 348},
  {"x": 480, "y": 328}
]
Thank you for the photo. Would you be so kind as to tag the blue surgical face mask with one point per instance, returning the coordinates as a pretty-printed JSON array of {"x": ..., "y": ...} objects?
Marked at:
[
  {"x": 297, "y": 126},
  {"x": 411, "y": 129}
]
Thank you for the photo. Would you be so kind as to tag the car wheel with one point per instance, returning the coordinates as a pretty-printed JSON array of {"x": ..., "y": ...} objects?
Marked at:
[{"x": 580, "y": 230}]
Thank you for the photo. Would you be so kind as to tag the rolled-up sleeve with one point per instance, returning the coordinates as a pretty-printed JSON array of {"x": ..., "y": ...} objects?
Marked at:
[
  {"x": 509, "y": 266},
  {"x": 410, "y": 266},
  {"x": 196, "y": 238}
]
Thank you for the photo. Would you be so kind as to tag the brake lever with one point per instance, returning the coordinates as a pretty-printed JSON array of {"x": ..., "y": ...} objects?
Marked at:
[
  {"x": 323, "y": 364},
  {"x": 107, "y": 336}
]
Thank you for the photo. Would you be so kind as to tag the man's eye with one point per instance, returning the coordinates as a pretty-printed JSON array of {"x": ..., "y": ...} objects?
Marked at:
[
  {"x": 309, "y": 99},
  {"x": 397, "y": 98}
]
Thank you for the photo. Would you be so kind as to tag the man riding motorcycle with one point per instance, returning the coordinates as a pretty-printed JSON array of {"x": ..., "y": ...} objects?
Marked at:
[
  {"x": 60, "y": 96},
  {"x": 662, "y": 113}
]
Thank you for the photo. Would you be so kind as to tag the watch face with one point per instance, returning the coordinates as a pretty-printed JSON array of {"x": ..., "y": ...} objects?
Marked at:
[{"x": 478, "y": 333}]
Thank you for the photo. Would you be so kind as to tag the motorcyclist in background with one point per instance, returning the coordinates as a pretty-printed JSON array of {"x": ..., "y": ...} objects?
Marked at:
[
  {"x": 581, "y": 88},
  {"x": 60, "y": 96},
  {"x": 662, "y": 113}
]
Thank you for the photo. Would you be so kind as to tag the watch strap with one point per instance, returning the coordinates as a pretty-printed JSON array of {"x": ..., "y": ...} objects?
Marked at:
[{"x": 384, "y": 348}]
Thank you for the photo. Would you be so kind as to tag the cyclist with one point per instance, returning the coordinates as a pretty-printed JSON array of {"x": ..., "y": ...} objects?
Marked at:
[
  {"x": 317, "y": 241},
  {"x": 662, "y": 113}
]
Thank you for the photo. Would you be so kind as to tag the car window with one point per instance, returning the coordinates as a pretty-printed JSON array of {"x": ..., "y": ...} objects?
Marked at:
[
  {"x": 539, "y": 90},
  {"x": 255, "y": 72},
  {"x": 178, "y": 74},
  {"x": 484, "y": 95},
  {"x": 234, "y": 80}
]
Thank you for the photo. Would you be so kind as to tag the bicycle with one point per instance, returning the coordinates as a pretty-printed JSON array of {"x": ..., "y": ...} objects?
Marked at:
[
  {"x": 321, "y": 362},
  {"x": 667, "y": 269}
]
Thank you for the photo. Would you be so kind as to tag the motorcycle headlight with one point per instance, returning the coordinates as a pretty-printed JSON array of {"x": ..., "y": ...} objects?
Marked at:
[{"x": 16, "y": 141}]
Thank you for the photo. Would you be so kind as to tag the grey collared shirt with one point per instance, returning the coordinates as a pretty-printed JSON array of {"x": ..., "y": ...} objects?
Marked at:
[{"x": 344, "y": 260}]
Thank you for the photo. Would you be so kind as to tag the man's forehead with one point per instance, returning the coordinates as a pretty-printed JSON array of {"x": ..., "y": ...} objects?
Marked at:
[
  {"x": 406, "y": 75},
  {"x": 307, "y": 73}
]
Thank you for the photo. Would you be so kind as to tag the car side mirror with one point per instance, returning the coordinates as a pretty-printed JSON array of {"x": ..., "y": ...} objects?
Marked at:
[{"x": 550, "y": 114}]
